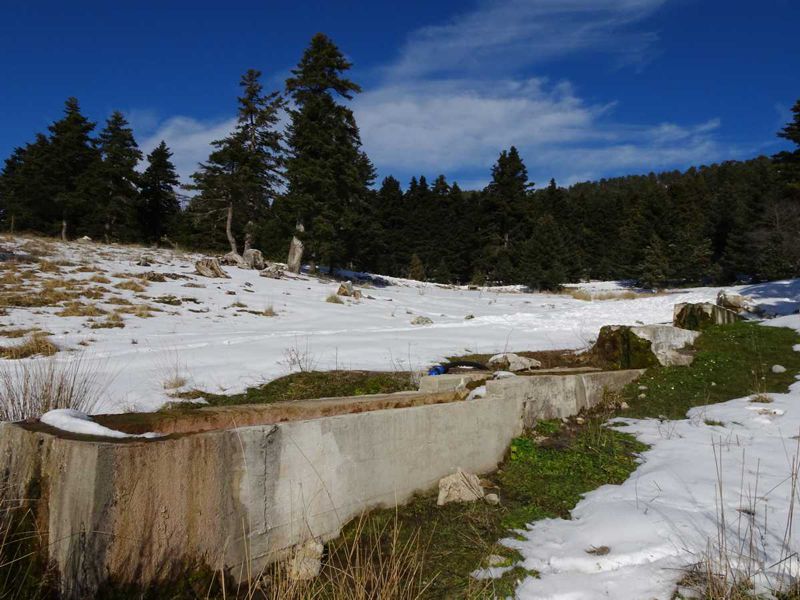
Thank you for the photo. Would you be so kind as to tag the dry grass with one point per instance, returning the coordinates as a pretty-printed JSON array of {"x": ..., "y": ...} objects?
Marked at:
[
  {"x": 23, "y": 298},
  {"x": 581, "y": 294},
  {"x": 31, "y": 388},
  {"x": 17, "y": 333},
  {"x": 133, "y": 286},
  {"x": 376, "y": 564},
  {"x": 334, "y": 299},
  {"x": 45, "y": 266},
  {"x": 270, "y": 311},
  {"x": 79, "y": 309},
  {"x": 37, "y": 344},
  {"x": 100, "y": 279},
  {"x": 111, "y": 321},
  {"x": 119, "y": 301}
]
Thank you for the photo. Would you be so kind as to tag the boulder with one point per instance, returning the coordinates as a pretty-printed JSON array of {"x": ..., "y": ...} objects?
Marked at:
[
  {"x": 346, "y": 289},
  {"x": 508, "y": 361},
  {"x": 233, "y": 259},
  {"x": 273, "y": 271},
  {"x": 420, "y": 320},
  {"x": 701, "y": 315},
  {"x": 734, "y": 302},
  {"x": 459, "y": 487},
  {"x": 209, "y": 267},
  {"x": 306, "y": 561},
  {"x": 778, "y": 369},
  {"x": 254, "y": 259},
  {"x": 492, "y": 499},
  {"x": 620, "y": 348},
  {"x": 144, "y": 261},
  {"x": 671, "y": 345}
]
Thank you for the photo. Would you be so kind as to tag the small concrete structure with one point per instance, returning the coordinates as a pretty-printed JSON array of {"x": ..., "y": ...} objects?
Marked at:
[{"x": 236, "y": 488}]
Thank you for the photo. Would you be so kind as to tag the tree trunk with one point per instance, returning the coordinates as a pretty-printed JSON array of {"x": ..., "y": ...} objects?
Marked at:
[
  {"x": 295, "y": 260},
  {"x": 229, "y": 230},
  {"x": 64, "y": 229},
  {"x": 12, "y": 223},
  {"x": 248, "y": 236}
]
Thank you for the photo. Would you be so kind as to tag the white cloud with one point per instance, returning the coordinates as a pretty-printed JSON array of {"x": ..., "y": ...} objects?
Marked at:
[
  {"x": 455, "y": 97},
  {"x": 508, "y": 34},
  {"x": 189, "y": 139}
]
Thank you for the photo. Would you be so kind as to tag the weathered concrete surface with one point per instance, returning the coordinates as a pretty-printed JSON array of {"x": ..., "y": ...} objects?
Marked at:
[
  {"x": 239, "y": 497},
  {"x": 553, "y": 396},
  {"x": 450, "y": 382}
]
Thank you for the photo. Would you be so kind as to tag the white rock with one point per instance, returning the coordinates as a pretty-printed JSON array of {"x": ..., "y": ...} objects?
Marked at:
[
  {"x": 492, "y": 499},
  {"x": 778, "y": 369},
  {"x": 420, "y": 320},
  {"x": 306, "y": 561},
  {"x": 735, "y": 302},
  {"x": 459, "y": 487},
  {"x": 503, "y": 375},
  {"x": 624, "y": 405},
  {"x": 508, "y": 361},
  {"x": 667, "y": 341}
]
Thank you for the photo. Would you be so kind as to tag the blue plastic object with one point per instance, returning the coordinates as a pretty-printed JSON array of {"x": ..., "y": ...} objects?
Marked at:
[{"x": 437, "y": 370}]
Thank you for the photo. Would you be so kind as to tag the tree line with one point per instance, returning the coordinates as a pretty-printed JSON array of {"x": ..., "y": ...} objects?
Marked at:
[{"x": 312, "y": 187}]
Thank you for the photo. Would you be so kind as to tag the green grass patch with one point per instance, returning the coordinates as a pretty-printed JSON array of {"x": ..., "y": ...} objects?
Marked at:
[
  {"x": 541, "y": 477},
  {"x": 315, "y": 384},
  {"x": 732, "y": 361}
]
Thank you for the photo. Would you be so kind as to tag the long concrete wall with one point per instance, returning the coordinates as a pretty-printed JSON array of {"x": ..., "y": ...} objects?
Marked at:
[{"x": 133, "y": 511}]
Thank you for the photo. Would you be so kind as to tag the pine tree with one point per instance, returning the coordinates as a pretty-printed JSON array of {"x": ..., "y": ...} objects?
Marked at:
[
  {"x": 71, "y": 163},
  {"x": 118, "y": 184},
  {"x": 159, "y": 201},
  {"x": 789, "y": 161},
  {"x": 327, "y": 173},
  {"x": 240, "y": 177},
  {"x": 655, "y": 267}
]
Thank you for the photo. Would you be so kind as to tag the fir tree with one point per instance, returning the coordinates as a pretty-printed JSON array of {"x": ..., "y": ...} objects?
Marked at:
[
  {"x": 117, "y": 178},
  {"x": 327, "y": 173},
  {"x": 159, "y": 201},
  {"x": 789, "y": 161},
  {"x": 239, "y": 179},
  {"x": 71, "y": 163},
  {"x": 655, "y": 267}
]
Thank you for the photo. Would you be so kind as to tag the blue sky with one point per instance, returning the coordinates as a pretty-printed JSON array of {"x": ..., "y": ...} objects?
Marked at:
[{"x": 585, "y": 88}]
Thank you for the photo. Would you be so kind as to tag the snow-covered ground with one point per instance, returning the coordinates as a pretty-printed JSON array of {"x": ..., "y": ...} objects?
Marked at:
[
  {"x": 660, "y": 521},
  {"x": 217, "y": 346}
]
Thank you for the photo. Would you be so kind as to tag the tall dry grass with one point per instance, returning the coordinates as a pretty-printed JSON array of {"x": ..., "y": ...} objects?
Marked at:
[
  {"x": 31, "y": 388},
  {"x": 369, "y": 564}
]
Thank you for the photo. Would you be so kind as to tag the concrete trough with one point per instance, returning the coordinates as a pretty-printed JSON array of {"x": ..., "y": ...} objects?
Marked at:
[{"x": 236, "y": 488}]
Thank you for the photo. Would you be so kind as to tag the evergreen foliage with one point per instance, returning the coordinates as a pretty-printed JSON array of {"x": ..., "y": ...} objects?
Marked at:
[
  {"x": 734, "y": 221},
  {"x": 328, "y": 175}
]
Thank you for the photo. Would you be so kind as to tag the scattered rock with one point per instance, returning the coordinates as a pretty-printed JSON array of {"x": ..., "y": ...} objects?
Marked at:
[
  {"x": 699, "y": 316},
  {"x": 85, "y": 238},
  {"x": 778, "y": 369},
  {"x": 152, "y": 276},
  {"x": 459, "y": 487},
  {"x": 642, "y": 396},
  {"x": 508, "y": 361},
  {"x": 420, "y": 320},
  {"x": 642, "y": 388},
  {"x": 306, "y": 561},
  {"x": 492, "y": 499},
  {"x": 209, "y": 267},
  {"x": 191, "y": 284},
  {"x": 144, "y": 261},
  {"x": 273, "y": 271},
  {"x": 469, "y": 317},
  {"x": 734, "y": 302},
  {"x": 624, "y": 405},
  {"x": 254, "y": 258},
  {"x": 346, "y": 289},
  {"x": 233, "y": 259},
  {"x": 503, "y": 374},
  {"x": 495, "y": 560}
]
